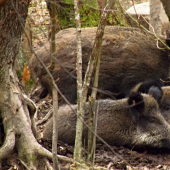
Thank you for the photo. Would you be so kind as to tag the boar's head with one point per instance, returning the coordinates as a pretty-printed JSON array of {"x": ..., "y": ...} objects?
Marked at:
[{"x": 152, "y": 130}]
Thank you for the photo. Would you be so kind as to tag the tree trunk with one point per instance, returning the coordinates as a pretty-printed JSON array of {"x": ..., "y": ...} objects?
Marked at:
[
  {"x": 27, "y": 39},
  {"x": 101, "y": 5},
  {"x": 54, "y": 90},
  {"x": 166, "y": 6},
  {"x": 155, "y": 17},
  {"x": 16, "y": 109},
  {"x": 79, "y": 127}
]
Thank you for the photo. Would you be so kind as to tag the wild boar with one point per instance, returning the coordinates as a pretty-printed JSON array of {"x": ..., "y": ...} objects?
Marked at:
[
  {"x": 134, "y": 122},
  {"x": 129, "y": 56}
]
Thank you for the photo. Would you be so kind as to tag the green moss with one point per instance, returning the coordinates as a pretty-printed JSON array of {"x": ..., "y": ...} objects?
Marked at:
[
  {"x": 89, "y": 14},
  {"x": 89, "y": 17}
]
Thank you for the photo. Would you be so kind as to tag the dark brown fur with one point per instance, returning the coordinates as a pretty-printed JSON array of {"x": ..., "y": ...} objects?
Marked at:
[{"x": 129, "y": 56}]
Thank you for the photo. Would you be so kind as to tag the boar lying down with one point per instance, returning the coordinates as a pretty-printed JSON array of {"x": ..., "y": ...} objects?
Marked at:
[
  {"x": 128, "y": 56},
  {"x": 134, "y": 122}
]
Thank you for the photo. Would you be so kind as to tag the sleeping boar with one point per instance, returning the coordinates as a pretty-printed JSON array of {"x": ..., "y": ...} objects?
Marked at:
[
  {"x": 134, "y": 122},
  {"x": 129, "y": 56}
]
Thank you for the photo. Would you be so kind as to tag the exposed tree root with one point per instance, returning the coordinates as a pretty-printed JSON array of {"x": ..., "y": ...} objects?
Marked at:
[
  {"x": 8, "y": 145},
  {"x": 19, "y": 134},
  {"x": 109, "y": 165},
  {"x": 48, "y": 165},
  {"x": 45, "y": 153},
  {"x": 23, "y": 163},
  {"x": 31, "y": 105},
  {"x": 32, "y": 111},
  {"x": 17, "y": 112}
]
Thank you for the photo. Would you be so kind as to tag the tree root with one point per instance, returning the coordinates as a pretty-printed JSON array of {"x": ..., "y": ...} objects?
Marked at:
[
  {"x": 24, "y": 164},
  {"x": 8, "y": 145},
  {"x": 32, "y": 111},
  {"x": 48, "y": 165},
  {"x": 109, "y": 165},
  {"x": 47, "y": 116},
  {"x": 31, "y": 105},
  {"x": 45, "y": 153}
]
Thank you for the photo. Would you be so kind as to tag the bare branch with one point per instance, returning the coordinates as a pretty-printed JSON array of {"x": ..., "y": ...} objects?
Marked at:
[{"x": 47, "y": 116}]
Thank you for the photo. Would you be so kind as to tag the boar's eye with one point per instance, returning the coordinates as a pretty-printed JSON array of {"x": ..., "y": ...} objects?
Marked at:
[
  {"x": 167, "y": 108},
  {"x": 154, "y": 120}
]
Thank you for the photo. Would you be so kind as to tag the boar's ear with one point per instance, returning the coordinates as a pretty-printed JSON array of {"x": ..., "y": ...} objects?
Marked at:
[
  {"x": 155, "y": 92},
  {"x": 144, "y": 87},
  {"x": 136, "y": 104}
]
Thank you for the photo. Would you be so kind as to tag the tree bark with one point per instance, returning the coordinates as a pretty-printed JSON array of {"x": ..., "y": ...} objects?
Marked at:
[
  {"x": 79, "y": 127},
  {"x": 166, "y": 6},
  {"x": 26, "y": 49},
  {"x": 155, "y": 17},
  {"x": 101, "y": 5},
  {"x": 54, "y": 90}
]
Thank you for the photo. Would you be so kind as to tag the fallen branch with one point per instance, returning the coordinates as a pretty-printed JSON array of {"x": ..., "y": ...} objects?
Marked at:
[{"x": 47, "y": 116}]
